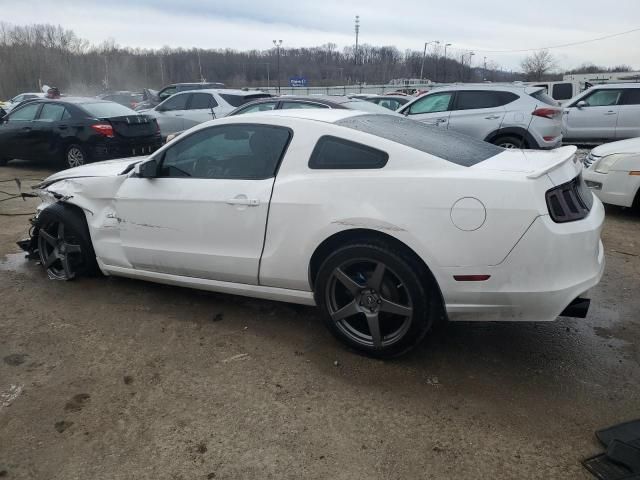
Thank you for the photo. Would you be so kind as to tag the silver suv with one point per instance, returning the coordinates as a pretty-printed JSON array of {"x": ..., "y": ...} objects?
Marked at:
[{"x": 511, "y": 116}]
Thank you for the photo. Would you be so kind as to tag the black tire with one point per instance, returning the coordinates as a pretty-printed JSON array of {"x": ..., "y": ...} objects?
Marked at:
[
  {"x": 401, "y": 288},
  {"x": 74, "y": 156},
  {"x": 510, "y": 142},
  {"x": 636, "y": 203},
  {"x": 65, "y": 252}
]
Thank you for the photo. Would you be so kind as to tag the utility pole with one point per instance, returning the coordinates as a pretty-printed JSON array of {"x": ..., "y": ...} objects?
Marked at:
[
  {"x": 484, "y": 70},
  {"x": 471, "y": 54},
  {"x": 357, "y": 29},
  {"x": 444, "y": 68},
  {"x": 278, "y": 44},
  {"x": 161, "y": 71},
  {"x": 202, "y": 80},
  {"x": 424, "y": 54}
]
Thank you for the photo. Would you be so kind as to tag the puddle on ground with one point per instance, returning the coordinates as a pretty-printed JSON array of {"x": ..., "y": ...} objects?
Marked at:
[{"x": 16, "y": 262}]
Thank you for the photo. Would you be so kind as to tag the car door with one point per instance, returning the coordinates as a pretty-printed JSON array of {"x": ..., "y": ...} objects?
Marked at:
[
  {"x": 433, "y": 109},
  {"x": 628, "y": 125},
  {"x": 200, "y": 108},
  {"x": 596, "y": 119},
  {"x": 476, "y": 113},
  {"x": 50, "y": 128},
  {"x": 170, "y": 113},
  {"x": 204, "y": 214},
  {"x": 16, "y": 132}
]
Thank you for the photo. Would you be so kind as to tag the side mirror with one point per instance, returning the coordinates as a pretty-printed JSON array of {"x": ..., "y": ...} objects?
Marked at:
[
  {"x": 581, "y": 104},
  {"x": 147, "y": 169}
]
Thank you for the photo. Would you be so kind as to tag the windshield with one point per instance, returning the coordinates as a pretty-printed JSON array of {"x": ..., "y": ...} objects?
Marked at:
[
  {"x": 107, "y": 109},
  {"x": 237, "y": 100},
  {"x": 454, "y": 147},
  {"x": 367, "y": 107}
]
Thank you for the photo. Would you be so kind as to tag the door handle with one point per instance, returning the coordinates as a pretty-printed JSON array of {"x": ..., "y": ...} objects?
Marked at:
[
  {"x": 492, "y": 117},
  {"x": 441, "y": 120},
  {"x": 26, "y": 129},
  {"x": 179, "y": 114},
  {"x": 610, "y": 113},
  {"x": 250, "y": 202}
]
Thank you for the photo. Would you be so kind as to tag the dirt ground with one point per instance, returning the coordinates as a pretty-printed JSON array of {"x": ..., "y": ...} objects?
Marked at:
[{"x": 110, "y": 378}]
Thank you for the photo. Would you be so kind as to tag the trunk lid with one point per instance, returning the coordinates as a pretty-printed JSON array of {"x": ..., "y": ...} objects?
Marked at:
[{"x": 561, "y": 164}]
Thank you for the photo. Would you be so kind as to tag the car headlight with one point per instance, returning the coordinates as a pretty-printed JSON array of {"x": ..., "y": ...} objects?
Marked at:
[{"x": 606, "y": 163}]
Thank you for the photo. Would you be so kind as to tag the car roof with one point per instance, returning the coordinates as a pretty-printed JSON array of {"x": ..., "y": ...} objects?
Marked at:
[
  {"x": 471, "y": 86},
  {"x": 327, "y": 115},
  {"x": 227, "y": 91},
  {"x": 330, "y": 100},
  {"x": 616, "y": 85},
  {"x": 74, "y": 100}
]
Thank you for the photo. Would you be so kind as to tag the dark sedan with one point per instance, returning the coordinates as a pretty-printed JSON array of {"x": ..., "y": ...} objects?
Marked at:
[
  {"x": 75, "y": 131},
  {"x": 311, "y": 101}
]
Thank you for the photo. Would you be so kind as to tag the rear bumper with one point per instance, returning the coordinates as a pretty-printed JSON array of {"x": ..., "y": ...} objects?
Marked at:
[
  {"x": 119, "y": 149},
  {"x": 551, "y": 265}
]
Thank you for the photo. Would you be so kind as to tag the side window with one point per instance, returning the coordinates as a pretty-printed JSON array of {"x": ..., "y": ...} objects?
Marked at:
[
  {"x": 337, "y": 153},
  {"x": 177, "y": 102},
  {"x": 562, "y": 91},
  {"x": 298, "y": 105},
  {"x": 260, "y": 107},
  {"x": 51, "y": 112},
  {"x": 249, "y": 152},
  {"x": 390, "y": 103},
  {"x": 481, "y": 99},
  {"x": 631, "y": 96},
  {"x": 438, "y": 102},
  {"x": 603, "y": 98},
  {"x": 201, "y": 101},
  {"x": 24, "y": 114}
]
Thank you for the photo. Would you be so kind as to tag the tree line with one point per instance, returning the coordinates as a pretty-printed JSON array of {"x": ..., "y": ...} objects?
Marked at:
[{"x": 33, "y": 55}]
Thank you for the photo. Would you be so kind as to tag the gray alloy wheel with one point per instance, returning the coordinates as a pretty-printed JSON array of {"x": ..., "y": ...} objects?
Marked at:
[
  {"x": 75, "y": 156},
  {"x": 60, "y": 253},
  {"x": 369, "y": 303},
  {"x": 510, "y": 143}
]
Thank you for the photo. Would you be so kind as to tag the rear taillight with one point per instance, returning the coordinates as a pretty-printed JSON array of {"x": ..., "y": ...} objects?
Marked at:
[
  {"x": 103, "y": 129},
  {"x": 546, "y": 112},
  {"x": 570, "y": 201}
]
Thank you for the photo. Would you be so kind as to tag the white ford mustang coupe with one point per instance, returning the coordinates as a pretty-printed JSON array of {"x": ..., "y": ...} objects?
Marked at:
[{"x": 387, "y": 224}]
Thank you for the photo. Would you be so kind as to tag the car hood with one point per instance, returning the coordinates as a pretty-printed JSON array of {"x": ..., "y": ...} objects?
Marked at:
[
  {"x": 631, "y": 145},
  {"x": 108, "y": 168}
]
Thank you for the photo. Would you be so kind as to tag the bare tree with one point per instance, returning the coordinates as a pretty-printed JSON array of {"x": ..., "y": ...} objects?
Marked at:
[{"x": 536, "y": 65}]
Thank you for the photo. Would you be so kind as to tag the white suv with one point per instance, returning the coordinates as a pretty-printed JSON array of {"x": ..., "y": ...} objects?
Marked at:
[
  {"x": 508, "y": 116},
  {"x": 603, "y": 113},
  {"x": 184, "y": 110}
]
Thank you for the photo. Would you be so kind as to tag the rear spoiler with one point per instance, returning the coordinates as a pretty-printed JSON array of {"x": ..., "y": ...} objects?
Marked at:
[{"x": 561, "y": 155}]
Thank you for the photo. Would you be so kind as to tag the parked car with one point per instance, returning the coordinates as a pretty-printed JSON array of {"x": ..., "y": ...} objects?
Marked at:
[
  {"x": 392, "y": 102},
  {"x": 316, "y": 101},
  {"x": 603, "y": 113},
  {"x": 153, "y": 97},
  {"x": 74, "y": 131},
  {"x": 511, "y": 116},
  {"x": 15, "y": 101},
  {"x": 187, "y": 109},
  {"x": 560, "y": 91},
  {"x": 126, "y": 98},
  {"x": 388, "y": 224},
  {"x": 612, "y": 171}
]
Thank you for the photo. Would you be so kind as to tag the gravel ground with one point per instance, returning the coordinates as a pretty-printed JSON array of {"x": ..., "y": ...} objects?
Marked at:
[{"x": 109, "y": 378}]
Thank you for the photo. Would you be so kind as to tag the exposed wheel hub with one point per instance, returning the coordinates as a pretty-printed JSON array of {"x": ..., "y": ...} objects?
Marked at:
[{"x": 369, "y": 299}]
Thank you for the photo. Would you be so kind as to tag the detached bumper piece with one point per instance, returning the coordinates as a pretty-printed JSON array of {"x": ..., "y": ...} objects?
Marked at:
[{"x": 621, "y": 461}]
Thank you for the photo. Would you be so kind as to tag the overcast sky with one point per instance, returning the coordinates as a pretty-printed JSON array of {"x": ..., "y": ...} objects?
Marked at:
[{"x": 244, "y": 24}]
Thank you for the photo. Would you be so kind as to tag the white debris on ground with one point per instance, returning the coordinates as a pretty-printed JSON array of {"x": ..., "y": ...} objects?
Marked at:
[{"x": 8, "y": 396}]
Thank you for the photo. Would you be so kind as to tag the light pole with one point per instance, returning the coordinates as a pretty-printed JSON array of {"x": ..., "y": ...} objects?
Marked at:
[
  {"x": 471, "y": 54},
  {"x": 357, "y": 29},
  {"x": 424, "y": 54},
  {"x": 278, "y": 44},
  {"x": 484, "y": 70},
  {"x": 444, "y": 67}
]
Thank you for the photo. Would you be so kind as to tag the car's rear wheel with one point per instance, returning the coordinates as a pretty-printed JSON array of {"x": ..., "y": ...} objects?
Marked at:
[
  {"x": 75, "y": 156},
  {"x": 374, "y": 299},
  {"x": 64, "y": 244},
  {"x": 510, "y": 142}
]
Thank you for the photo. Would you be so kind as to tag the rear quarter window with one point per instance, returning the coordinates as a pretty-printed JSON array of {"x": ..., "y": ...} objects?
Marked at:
[
  {"x": 337, "y": 153},
  {"x": 543, "y": 97}
]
